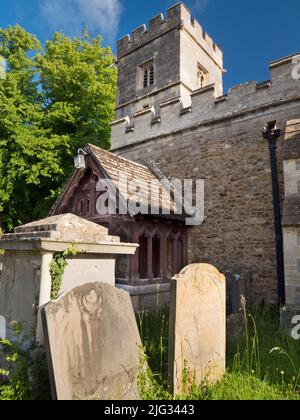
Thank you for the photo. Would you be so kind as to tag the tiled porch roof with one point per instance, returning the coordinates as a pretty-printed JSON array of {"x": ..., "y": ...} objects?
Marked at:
[{"x": 118, "y": 169}]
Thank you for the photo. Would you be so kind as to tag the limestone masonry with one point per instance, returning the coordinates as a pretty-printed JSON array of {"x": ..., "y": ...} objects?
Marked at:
[{"x": 171, "y": 110}]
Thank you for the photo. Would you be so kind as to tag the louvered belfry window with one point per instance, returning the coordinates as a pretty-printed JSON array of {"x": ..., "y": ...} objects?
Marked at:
[
  {"x": 151, "y": 76},
  {"x": 148, "y": 74}
]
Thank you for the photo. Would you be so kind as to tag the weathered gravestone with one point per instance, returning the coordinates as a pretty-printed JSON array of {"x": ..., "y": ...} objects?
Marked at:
[
  {"x": 93, "y": 344},
  {"x": 197, "y": 342}
]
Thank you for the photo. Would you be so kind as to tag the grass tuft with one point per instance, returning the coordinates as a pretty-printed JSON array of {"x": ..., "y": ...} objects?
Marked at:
[{"x": 263, "y": 362}]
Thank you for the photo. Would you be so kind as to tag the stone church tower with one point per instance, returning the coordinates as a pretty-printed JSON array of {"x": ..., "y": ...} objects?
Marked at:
[
  {"x": 170, "y": 59},
  {"x": 171, "y": 110}
]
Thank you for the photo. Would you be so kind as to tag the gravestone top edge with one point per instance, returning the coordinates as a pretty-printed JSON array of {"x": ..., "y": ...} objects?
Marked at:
[
  {"x": 86, "y": 285},
  {"x": 199, "y": 269}
]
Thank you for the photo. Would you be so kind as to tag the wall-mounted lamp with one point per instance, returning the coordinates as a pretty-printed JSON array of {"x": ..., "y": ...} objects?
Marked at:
[
  {"x": 271, "y": 132},
  {"x": 114, "y": 64},
  {"x": 79, "y": 160}
]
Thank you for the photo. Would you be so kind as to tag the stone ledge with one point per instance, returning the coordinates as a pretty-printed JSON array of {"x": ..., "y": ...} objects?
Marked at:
[
  {"x": 146, "y": 289},
  {"x": 120, "y": 142},
  {"x": 25, "y": 244}
]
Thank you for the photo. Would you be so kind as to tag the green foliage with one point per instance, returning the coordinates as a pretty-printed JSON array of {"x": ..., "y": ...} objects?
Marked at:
[
  {"x": 149, "y": 383},
  {"x": 241, "y": 386},
  {"x": 266, "y": 351},
  {"x": 263, "y": 362},
  {"x": 25, "y": 374},
  {"x": 258, "y": 367},
  {"x": 53, "y": 100},
  {"x": 57, "y": 269},
  {"x": 2, "y": 68},
  {"x": 78, "y": 82},
  {"x": 154, "y": 329}
]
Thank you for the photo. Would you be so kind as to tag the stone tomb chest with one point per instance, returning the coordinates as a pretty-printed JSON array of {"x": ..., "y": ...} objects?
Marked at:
[{"x": 26, "y": 281}]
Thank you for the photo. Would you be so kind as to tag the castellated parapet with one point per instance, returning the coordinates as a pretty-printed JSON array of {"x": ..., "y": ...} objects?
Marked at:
[
  {"x": 178, "y": 17},
  {"x": 207, "y": 107},
  {"x": 177, "y": 49}
]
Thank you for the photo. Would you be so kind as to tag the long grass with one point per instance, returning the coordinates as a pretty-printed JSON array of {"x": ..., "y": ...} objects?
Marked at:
[
  {"x": 154, "y": 329},
  {"x": 263, "y": 362}
]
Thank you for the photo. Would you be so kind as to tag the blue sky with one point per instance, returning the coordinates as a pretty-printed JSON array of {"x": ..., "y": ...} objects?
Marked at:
[{"x": 252, "y": 33}]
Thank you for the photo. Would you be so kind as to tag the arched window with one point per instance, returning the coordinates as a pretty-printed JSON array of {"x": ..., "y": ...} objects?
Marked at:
[
  {"x": 170, "y": 256},
  {"x": 156, "y": 257},
  {"x": 143, "y": 257},
  {"x": 180, "y": 254},
  {"x": 81, "y": 206}
]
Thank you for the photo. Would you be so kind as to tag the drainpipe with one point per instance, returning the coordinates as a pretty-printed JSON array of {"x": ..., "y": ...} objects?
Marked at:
[{"x": 271, "y": 133}]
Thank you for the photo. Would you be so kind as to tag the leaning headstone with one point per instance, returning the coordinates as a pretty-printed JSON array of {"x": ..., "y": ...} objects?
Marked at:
[
  {"x": 197, "y": 342},
  {"x": 93, "y": 344}
]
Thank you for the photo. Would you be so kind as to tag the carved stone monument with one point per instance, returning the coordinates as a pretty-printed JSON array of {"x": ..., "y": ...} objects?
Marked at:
[{"x": 26, "y": 282}]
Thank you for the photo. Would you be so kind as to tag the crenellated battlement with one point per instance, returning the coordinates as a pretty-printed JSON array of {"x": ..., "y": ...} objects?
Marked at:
[
  {"x": 207, "y": 107},
  {"x": 178, "y": 17}
]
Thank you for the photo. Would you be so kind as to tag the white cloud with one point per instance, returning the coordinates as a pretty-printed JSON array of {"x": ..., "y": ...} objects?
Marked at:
[
  {"x": 200, "y": 5},
  {"x": 72, "y": 16}
]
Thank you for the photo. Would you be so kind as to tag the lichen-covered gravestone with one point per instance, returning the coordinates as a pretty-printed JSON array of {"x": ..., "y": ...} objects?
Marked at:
[
  {"x": 197, "y": 342},
  {"x": 93, "y": 344}
]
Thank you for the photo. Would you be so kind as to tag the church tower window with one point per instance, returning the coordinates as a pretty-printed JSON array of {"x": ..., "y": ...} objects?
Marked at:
[
  {"x": 145, "y": 78},
  {"x": 151, "y": 76},
  {"x": 202, "y": 77},
  {"x": 148, "y": 74}
]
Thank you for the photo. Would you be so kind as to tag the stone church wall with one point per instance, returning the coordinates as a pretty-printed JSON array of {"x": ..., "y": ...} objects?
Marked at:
[{"x": 220, "y": 141}]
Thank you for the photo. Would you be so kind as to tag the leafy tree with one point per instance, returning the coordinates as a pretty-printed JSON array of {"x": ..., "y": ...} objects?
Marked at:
[
  {"x": 53, "y": 100},
  {"x": 78, "y": 80}
]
